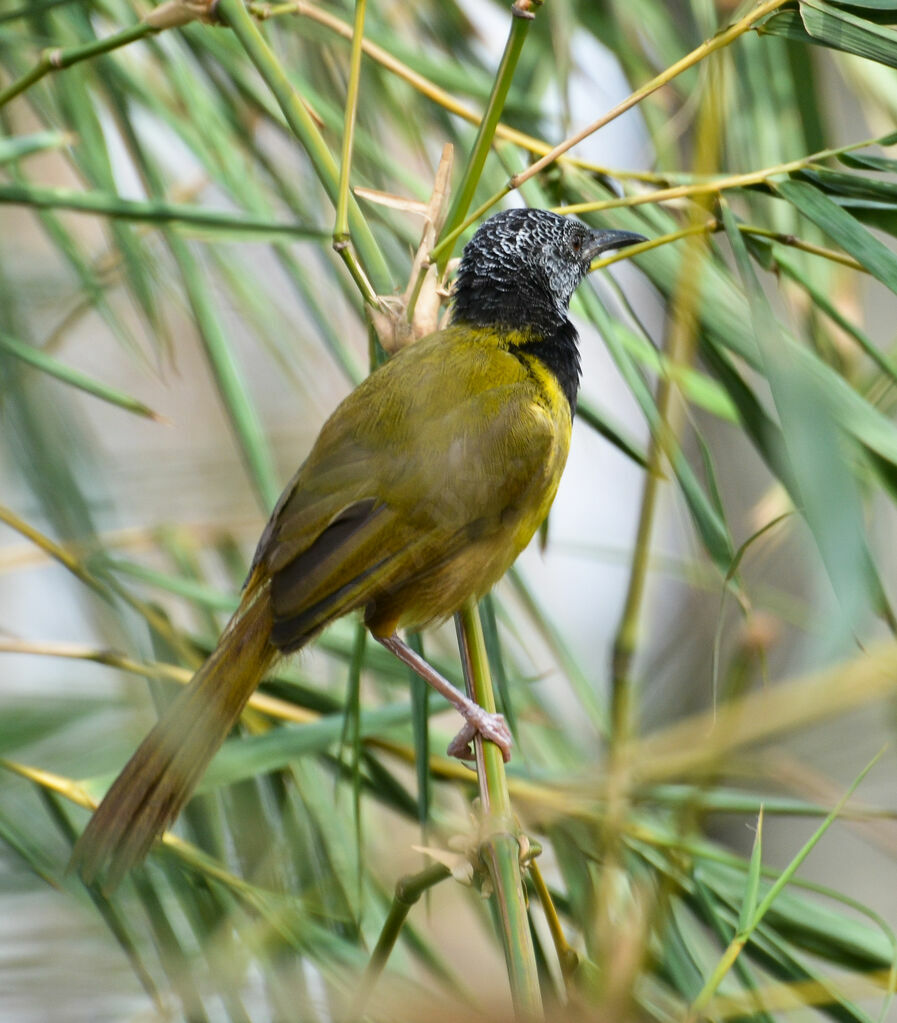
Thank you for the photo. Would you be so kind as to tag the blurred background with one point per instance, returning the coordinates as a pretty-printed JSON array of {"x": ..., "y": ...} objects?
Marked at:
[{"x": 174, "y": 329}]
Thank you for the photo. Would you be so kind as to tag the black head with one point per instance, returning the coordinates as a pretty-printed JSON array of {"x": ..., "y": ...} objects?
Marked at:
[{"x": 522, "y": 266}]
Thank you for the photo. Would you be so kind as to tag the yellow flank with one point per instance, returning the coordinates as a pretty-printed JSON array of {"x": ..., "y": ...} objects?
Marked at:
[{"x": 422, "y": 488}]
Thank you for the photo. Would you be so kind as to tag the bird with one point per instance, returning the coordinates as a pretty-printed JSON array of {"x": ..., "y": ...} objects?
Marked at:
[{"x": 418, "y": 494}]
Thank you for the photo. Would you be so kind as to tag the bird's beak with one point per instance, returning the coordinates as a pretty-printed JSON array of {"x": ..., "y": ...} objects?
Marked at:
[{"x": 602, "y": 241}]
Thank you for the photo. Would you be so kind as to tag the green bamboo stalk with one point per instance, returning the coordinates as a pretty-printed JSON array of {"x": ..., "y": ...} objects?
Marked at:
[
  {"x": 341, "y": 226},
  {"x": 626, "y": 638},
  {"x": 520, "y": 23},
  {"x": 57, "y": 58},
  {"x": 567, "y": 955},
  {"x": 408, "y": 891},
  {"x": 372, "y": 271},
  {"x": 341, "y": 235},
  {"x": 499, "y": 847},
  {"x": 151, "y": 211}
]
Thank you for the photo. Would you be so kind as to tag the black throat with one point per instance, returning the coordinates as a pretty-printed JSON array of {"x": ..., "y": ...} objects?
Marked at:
[
  {"x": 529, "y": 310},
  {"x": 559, "y": 353}
]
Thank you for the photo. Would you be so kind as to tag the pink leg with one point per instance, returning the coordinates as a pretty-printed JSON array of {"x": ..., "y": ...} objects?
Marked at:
[{"x": 478, "y": 721}]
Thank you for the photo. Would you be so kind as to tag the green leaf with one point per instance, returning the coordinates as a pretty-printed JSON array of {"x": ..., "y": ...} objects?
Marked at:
[
  {"x": 808, "y": 846},
  {"x": 837, "y": 183},
  {"x": 75, "y": 378},
  {"x": 785, "y": 258},
  {"x": 603, "y": 424},
  {"x": 863, "y": 161},
  {"x": 256, "y": 754},
  {"x": 752, "y": 886},
  {"x": 825, "y": 490},
  {"x": 20, "y": 146},
  {"x": 872, "y": 5},
  {"x": 839, "y": 225},
  {"x": 838, "y": 28}
]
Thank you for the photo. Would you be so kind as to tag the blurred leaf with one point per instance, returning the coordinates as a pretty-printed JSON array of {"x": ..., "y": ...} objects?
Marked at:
[
  {"x": 817, "y": 452},
  {"x": 253, "y": 755},
  {"x": 752, "y": 888},
  {"x": 616, "y": 435},
  {"x": 25, "y": 145},
  {"x": 73, "y": 377}
]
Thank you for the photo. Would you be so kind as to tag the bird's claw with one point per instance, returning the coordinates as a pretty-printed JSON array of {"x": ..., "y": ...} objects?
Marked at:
[{"x": 490, "y": 726}]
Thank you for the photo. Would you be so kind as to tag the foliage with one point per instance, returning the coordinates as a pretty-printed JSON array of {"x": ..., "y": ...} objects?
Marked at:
[{"x": 172, "y": 182}]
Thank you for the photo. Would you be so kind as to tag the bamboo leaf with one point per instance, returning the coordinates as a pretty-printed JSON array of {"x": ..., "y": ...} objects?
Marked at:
[
  {"x": 811, "y": 438},
  {"x": 202, "y": 222},
  {"x": 73, "y": 377},
  {"x": 752, "y": 887},
  {"x": 20, "y": 146},
  {"x": 823, "y": 24},
  {"x": 843, "y": 228},
  {"x": 833, "y": 26}
]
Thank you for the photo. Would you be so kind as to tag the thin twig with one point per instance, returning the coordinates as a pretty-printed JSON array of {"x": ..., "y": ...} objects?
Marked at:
[
  {"x": 709, "y": 46},
  {"x": 715, "y": 185}
]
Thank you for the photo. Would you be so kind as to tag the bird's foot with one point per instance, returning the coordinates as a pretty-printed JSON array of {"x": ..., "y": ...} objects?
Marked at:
[{"x": 480, "y": 722}]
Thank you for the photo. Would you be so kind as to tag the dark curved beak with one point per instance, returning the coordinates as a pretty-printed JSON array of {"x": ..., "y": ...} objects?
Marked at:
[{"x": 603, "y": 241}]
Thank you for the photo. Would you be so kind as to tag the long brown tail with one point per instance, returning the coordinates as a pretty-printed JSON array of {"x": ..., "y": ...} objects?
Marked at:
[{"x": 156, "y": 782}]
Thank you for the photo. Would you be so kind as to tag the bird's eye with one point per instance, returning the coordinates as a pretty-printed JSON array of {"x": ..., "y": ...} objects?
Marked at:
[{"x": 576, "y": 245}]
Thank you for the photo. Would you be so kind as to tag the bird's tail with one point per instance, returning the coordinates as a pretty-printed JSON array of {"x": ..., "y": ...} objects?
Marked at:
[{"x": 159, "y": 779}]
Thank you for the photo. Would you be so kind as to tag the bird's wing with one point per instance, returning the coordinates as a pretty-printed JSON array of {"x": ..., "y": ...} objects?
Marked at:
[{"x": 400, "y": 480}]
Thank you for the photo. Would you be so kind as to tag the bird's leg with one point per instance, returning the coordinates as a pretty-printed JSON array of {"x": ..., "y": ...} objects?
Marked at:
[{"x": 478, "y": 721}]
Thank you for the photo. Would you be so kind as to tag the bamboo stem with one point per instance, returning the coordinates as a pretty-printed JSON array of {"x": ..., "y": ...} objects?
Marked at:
[
  {"x": 681, "y": 344},
  {"x": 341, "y": 225},
  {"x": 499, "y": 847},
  {"x": 408, "y": 891},
  {"x": 151, "y": 211},
  {"x": 56, "y": 59},
  {"x": 567, "y": 955}
]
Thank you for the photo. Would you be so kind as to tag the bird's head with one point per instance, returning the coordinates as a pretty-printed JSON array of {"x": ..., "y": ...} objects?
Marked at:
[{"x": 522, "y": 266}]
